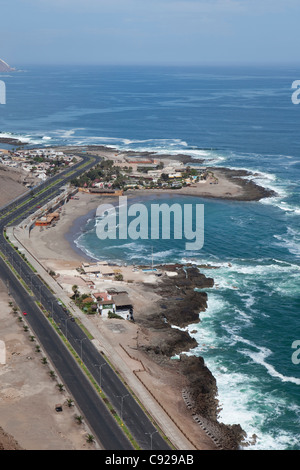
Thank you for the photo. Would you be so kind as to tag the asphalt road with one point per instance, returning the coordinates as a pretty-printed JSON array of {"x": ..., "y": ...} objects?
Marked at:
[{"x": 99, "y": 419}]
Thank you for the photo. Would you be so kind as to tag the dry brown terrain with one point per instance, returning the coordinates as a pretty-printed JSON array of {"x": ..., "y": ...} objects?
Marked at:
[
  {"x": 28, "y": 395},
  {"x": 10, "y": 184}
]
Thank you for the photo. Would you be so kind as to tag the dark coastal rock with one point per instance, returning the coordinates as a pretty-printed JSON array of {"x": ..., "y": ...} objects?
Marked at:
[
  {"x": 10, "y": 141},
  {"x": 251, "y": 190},
  {"x": 166, "y": 342},
  {"x": 180, "y": 303},
  {"x": 202, "y": 391},
  {"x": 179, "y": 306},
  {"x": 202, "y": 385},
  {"x": 4, "y": 67}
]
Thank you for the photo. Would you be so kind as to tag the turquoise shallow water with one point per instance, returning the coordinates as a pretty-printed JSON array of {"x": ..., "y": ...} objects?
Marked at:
[{"x": 234, "y": 117}]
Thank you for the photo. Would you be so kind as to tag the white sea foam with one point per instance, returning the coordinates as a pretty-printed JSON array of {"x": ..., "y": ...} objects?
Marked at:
[
  {"x": 242, "y": 403},
  {"x": 240, "y": 396},
  {"x": 82, "y": 246},
  {"x": 260, "y": 355},
  {"x": 253, "y": 268},
  {"x": 290, "y": 240},
  {"x": 21, "y": 137}
]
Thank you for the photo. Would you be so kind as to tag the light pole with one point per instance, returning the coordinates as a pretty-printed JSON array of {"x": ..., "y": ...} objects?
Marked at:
[
  {"x": 40, "y": 290},
  {"x": 66, "y": 327},
  {"x": 100, "y": 372},
  {"x": 80, "y": 340},
  {"x": 31, "y": 276},
  {"x": 52, "y": 308},
  {"x": 122, "y": 399},
  {"x": 151, "y": 436}
]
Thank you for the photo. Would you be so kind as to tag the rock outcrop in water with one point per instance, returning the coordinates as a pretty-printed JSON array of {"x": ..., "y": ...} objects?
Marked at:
[
  {"x": 4, "y": 67},
  {"x": 179, "y": 307}
]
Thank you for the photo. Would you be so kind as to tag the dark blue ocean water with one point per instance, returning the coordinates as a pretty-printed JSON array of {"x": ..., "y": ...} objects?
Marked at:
[{"x": 233, "y": 117}]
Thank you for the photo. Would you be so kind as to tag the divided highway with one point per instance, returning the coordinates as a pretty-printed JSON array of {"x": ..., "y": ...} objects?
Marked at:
[{"x": 100, "y": 420}]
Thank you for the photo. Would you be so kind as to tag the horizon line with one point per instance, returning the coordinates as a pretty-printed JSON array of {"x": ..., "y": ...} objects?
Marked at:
[{"x": 162, "y": 64}]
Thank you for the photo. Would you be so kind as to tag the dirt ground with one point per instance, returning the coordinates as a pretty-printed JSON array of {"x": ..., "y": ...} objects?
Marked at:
[
  {"x": 11, "y": 184},
  {"x": 28, "y": 395}
]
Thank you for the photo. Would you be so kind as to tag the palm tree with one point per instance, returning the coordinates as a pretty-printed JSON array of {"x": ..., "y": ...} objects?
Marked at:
[
  {"x": 90, "y": 438},
  {"x": 69, "y": 402},
  {"x": 79, "y": 419},
  {"x": 75, "y": 290}
]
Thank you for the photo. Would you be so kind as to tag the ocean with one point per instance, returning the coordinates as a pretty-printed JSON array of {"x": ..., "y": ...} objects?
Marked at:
[{"x": 236, "y": 117}]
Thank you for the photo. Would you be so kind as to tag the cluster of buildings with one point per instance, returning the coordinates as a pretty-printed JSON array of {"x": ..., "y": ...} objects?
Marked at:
[
  {"x": 109, "y": 301},
  {"x": 47, "y": 220},
  {"x": 149, "y": 172},
  {"x": 36, "y": 164}
]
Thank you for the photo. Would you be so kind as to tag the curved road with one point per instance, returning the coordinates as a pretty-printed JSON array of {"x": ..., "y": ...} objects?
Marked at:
[{"x": 101, "y": 422}]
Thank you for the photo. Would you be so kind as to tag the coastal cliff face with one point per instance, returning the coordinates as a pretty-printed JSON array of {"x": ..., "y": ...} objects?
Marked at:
[
  {"x": 179, "y": 307},
  {"x": 4, "y": 67}
]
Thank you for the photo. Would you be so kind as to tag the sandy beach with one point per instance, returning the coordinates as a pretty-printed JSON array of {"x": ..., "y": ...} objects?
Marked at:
[
  {"x": 231, "y": 186},
  {"x": 56, "y": 244}
]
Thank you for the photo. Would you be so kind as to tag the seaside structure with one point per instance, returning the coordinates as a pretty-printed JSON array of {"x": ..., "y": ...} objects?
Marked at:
[
  {"x": 105, "y": 303},
  {"x": 98, "y": 269},
  {"x": 102, "y": 192},
  {"x": 123, "y": 304},
  {"x": 47, "y": 220},
  {"x": 109, "y": 302}
]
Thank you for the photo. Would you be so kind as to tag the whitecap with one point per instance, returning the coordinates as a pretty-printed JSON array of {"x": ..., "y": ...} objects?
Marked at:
[
  {"x": 260, "y": 358},
  {"x": 290, "y": 240}
]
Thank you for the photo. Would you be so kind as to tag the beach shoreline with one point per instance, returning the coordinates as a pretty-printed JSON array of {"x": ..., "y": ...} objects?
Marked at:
[{"x": 226, "y": 183}]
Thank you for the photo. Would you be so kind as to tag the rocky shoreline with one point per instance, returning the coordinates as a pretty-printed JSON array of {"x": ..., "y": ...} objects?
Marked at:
[
  {"x": 179, "y": 307},
  {"x": 252, "y": 191},
  {"x": 11, "y": 141}
]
